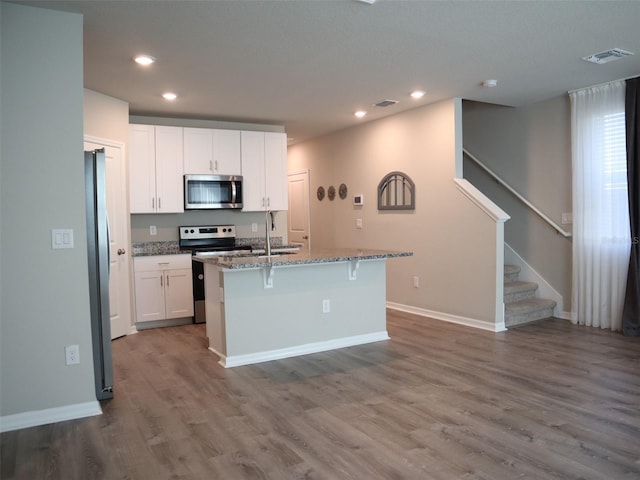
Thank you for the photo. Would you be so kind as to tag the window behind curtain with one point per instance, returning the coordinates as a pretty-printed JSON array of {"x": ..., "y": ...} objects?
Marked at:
[{"x": 600, "y": 205}]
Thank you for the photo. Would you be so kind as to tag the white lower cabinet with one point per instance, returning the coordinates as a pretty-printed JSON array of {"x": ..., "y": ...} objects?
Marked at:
[{"x": 163, "y": 287}]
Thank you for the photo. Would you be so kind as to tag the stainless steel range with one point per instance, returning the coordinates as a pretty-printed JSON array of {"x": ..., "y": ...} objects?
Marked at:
[{"x": 212, "y": 240}]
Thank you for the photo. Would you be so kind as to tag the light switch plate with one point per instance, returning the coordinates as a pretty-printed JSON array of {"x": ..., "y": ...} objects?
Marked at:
[
  {"x": 62, "y": 238},
  {"x": 567, "y": 218}
]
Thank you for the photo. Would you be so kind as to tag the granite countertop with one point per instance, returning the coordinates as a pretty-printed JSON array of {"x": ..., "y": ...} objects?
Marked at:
[
  {"x": 249, "y": 261},
  {"x": 145, "y": 249}
]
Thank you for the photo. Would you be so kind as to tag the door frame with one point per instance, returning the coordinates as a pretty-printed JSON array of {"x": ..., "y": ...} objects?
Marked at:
[
  {"x": 306, "y": 172},
  {"x": 123, "y": 150}
]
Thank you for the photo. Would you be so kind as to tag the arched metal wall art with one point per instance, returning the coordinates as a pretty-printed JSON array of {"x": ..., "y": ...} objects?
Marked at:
[{"x": 396, "y": 191}]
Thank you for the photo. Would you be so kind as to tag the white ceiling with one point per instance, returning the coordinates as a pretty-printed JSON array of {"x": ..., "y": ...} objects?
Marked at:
[{"x": 309, "y": 64}]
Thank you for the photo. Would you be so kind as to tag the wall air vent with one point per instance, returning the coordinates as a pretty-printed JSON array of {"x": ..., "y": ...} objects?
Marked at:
[
  {"x": 608, "y": 56},
  {"x": 386, "y": 103}
]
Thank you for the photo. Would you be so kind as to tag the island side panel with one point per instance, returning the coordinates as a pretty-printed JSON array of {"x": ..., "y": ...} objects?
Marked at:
[
  {"x": 213, "y": 309},
  {"x": 290, "y": 314}
]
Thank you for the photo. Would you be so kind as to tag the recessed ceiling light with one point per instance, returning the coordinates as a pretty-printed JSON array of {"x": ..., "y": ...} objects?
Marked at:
[
  {"x": 144, "y": 59},
  {"x": 490, "y": 83},
  {"x": 360, "y": 113},
  {"x": 169, "y": 96},
  {"x": 417, "y": 94}
]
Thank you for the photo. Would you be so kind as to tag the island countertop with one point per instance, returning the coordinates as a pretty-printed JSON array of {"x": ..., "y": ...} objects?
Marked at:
[{"x": 283, "y": 259}]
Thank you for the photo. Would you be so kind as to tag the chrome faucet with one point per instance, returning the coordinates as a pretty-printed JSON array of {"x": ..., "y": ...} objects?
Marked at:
[{"x": 267, "y": 241}]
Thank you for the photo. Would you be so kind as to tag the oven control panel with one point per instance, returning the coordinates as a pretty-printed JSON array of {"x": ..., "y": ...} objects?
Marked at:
[{"x": 200, "y": 232}]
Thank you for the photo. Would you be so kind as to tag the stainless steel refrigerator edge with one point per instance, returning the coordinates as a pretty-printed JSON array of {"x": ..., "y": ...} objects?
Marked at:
[{"x": 98, "y": 255}]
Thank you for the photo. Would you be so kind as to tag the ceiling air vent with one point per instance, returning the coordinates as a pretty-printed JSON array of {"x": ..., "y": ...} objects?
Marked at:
[
  {"x": 608, "y": 56},
  {"x": 386, "y": 103}
]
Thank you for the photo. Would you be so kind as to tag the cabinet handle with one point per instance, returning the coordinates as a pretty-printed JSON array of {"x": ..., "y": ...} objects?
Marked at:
[
  {"x": 263, "y": 202},
  {"x": 121, "y": 251},
  {"x": 216, "y": 165},
  {"x": 153, "y": 203},
  {"x": 161, "y": 280},
  {"x": 159, "y": 203},
  {"x": 305, "y": 237},
  {"x": 268, "y": 201},
  {"x": 167, "y": 280},
  {"x": 210, "y": 165}
]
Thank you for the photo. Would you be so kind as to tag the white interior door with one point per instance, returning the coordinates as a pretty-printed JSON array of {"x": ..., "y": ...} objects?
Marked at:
[
  {"x": 119, "y": 297},
  {"x": 298, "y": 213}
]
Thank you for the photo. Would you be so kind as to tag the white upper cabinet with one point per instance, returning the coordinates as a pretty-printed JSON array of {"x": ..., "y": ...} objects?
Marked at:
[
  {"x": 226, "y": 152},
  {"x": 211, "y": 151},
  {"x": 156, "y": 169},
  {"x": 264, "y": 171}
]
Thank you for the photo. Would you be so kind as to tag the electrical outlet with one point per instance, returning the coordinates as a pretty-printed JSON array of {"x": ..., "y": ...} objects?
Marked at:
[
  {"x": 416, "y": 281},
  {"x": 254, "y": 227},
  {"x": 153, "y": 230},
  {"x": 72, "y": 354},
  {"x": 326, "y": 305},
  {"x": 358, "y": 223}
]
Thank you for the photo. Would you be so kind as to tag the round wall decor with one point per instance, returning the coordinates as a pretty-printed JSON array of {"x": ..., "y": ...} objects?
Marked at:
[
  {"x": 320, "y": 193},
  {"x": 331, "y": 192},
  {"x": 342, "y": 191}
]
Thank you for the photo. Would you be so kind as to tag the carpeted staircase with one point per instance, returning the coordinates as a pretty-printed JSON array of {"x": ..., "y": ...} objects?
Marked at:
[{"x": 520, "y": 302}]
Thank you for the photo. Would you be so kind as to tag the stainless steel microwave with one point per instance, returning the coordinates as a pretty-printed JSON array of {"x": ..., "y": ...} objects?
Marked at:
[{"x": 210, "y": 192}]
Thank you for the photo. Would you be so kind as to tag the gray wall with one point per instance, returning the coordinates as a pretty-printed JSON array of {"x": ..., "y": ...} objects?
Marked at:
[
  {"x": 530, "y": 148},
  {"x": 44, "y": 293},
  {"x": 454, "y": 244}
]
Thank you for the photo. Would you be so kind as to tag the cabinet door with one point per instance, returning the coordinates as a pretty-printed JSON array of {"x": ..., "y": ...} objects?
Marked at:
[
  {"x": 253, "y": 171},
  {"x": 226, "y": 152},
  {"x": 142, "y": 169},
  {"x": 275, "y": 161},
  {"x": 198, "y": 151},
  {"x": 178, "y": 293},
  {"x": 169, "y": 169},
  {"x": 149, "y": 296}
]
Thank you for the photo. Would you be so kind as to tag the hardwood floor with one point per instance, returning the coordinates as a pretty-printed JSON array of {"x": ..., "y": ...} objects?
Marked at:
[{"x": 548, "y": 400}]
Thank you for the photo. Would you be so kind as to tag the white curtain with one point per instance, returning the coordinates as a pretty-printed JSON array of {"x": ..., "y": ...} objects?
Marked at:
[{"x": 601, "y": 238}]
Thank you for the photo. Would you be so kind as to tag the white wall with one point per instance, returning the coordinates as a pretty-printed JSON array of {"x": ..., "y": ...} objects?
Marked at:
[
  {"x": 44, "y": 293},
  {"x": 106, "y": 117},
  {"x": 530, "y": 148},
  {"x": 452, "y": 240}
]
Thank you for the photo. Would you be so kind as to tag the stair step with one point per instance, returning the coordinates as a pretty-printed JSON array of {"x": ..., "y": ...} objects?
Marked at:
[
  {"x": 511, "y": 273},
  {"x": 518, "y": 290},
  {"x": 525, "y": 311}
]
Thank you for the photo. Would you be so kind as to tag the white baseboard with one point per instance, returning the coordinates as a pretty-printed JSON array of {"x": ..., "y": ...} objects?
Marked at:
[
  {"x": 447, "y": 317},
  {"x": 49, "y": 415},
  {"x": 564, "y": 315},
  {"x": 266, "y": 356}
]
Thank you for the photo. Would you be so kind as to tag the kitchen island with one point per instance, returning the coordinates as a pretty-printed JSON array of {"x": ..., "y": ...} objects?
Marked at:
[{"x": 265, "y": 308}]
